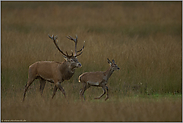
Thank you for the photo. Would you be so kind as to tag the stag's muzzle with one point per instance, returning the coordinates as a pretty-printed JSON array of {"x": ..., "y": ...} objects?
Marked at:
[{"x": 79, "y": 65}]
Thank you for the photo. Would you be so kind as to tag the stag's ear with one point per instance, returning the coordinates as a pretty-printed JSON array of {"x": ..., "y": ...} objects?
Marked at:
[{"x": 65, "y": 57}]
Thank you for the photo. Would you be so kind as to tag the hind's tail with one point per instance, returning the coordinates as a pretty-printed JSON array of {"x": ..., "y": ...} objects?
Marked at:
[{"x": 79, "y": 78}]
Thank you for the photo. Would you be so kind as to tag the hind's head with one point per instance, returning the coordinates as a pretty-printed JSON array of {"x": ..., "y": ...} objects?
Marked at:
[{"x": 113, "y": 64}]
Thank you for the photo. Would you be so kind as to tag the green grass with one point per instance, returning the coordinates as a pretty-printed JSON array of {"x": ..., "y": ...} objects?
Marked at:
[{"x": 144, "y": 38}]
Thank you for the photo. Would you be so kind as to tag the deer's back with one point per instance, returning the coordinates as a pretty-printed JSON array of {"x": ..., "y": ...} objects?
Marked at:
[
  {"x": 93, "y": 78},
  {"x": 45, "y": 69}
]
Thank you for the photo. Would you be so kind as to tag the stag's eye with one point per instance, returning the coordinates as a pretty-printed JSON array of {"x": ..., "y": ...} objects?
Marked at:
[{"x": 71, "y": 60}]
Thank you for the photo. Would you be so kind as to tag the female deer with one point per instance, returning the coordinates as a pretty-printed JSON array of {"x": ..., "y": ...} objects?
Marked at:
[{"x": 97, "y": 79}]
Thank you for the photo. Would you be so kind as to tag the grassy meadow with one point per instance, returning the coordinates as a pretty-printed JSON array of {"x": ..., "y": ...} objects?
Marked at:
[{"x": 144, "y": 38}]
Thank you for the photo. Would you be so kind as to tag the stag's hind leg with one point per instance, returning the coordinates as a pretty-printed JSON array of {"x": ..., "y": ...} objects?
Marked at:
[
  {"x": 31, "y": 77},
  {"x": 42, "y": 85},
  {"x": 27, "y": 86}
]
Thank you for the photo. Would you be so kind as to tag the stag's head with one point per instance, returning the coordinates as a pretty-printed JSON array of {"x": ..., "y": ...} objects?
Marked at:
[
  {"x": 113, "y": 64},
  {"x": 70, "y": 59}
]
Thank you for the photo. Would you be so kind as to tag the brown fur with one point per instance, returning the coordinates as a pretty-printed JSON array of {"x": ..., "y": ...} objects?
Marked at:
[
  {"x": 52, "y": 71},
  {"x": 98, "y": 79}
]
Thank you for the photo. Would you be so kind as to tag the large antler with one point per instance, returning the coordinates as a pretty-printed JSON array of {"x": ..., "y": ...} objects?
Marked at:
[
  {"x": 76, "y": 41},
  {"x": 54, "y": 40}
]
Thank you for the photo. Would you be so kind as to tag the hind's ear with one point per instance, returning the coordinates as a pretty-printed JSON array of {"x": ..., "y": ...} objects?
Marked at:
[
  {"x": 113, "y": 61},
  {"x": 109, "y": 61}
]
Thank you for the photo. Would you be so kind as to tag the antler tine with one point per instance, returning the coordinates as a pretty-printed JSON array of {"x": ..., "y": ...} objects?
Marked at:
[
  {"x": 50, "y": 36},
  {"x": 69, "y": 55},
  {"x": 81, "y": 50},
  {"x": 54, "y": 40},
  {"x": 75, "y": 41},
  {"x": 71, "y": 38},
  {"x": 76, "y": 38}
]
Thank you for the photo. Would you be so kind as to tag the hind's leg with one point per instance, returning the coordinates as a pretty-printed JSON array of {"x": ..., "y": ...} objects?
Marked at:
[
  {"x": 104, "y": 91},
  {"x": 107, "y": 93},
  {"x": 82, "y": 91},
  {"x": 42, "y": 85}
]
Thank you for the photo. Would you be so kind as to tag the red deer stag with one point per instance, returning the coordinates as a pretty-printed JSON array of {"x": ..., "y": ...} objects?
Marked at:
[
  {"x": 97, "y": 79},
  {"x": 52, "y": 71}
]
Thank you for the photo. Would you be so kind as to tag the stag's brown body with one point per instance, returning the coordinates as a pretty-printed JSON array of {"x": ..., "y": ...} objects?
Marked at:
[
  {"x": 51, "y": 71},
  {"x": 54, "y": 72}
]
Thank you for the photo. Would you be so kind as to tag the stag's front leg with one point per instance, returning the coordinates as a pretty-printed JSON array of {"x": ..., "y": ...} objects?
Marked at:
[
  {"x": 60, "y": 88},
  {"x": 54, "y": 91}
]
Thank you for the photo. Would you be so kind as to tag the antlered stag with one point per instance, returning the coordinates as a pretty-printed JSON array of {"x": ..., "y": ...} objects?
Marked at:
[
  {"x": 97, "y": 79},
  {"x": 52, "y": 71}
]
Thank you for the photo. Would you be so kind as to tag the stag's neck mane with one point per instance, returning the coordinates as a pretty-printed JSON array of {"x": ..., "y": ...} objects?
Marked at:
[{"x": 66, "y": 70}]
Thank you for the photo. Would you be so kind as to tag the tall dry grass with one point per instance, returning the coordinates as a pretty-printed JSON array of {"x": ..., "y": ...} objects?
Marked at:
[
  {"x": 144, "y": 38},
  {"x": 126, "y": 109}
]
